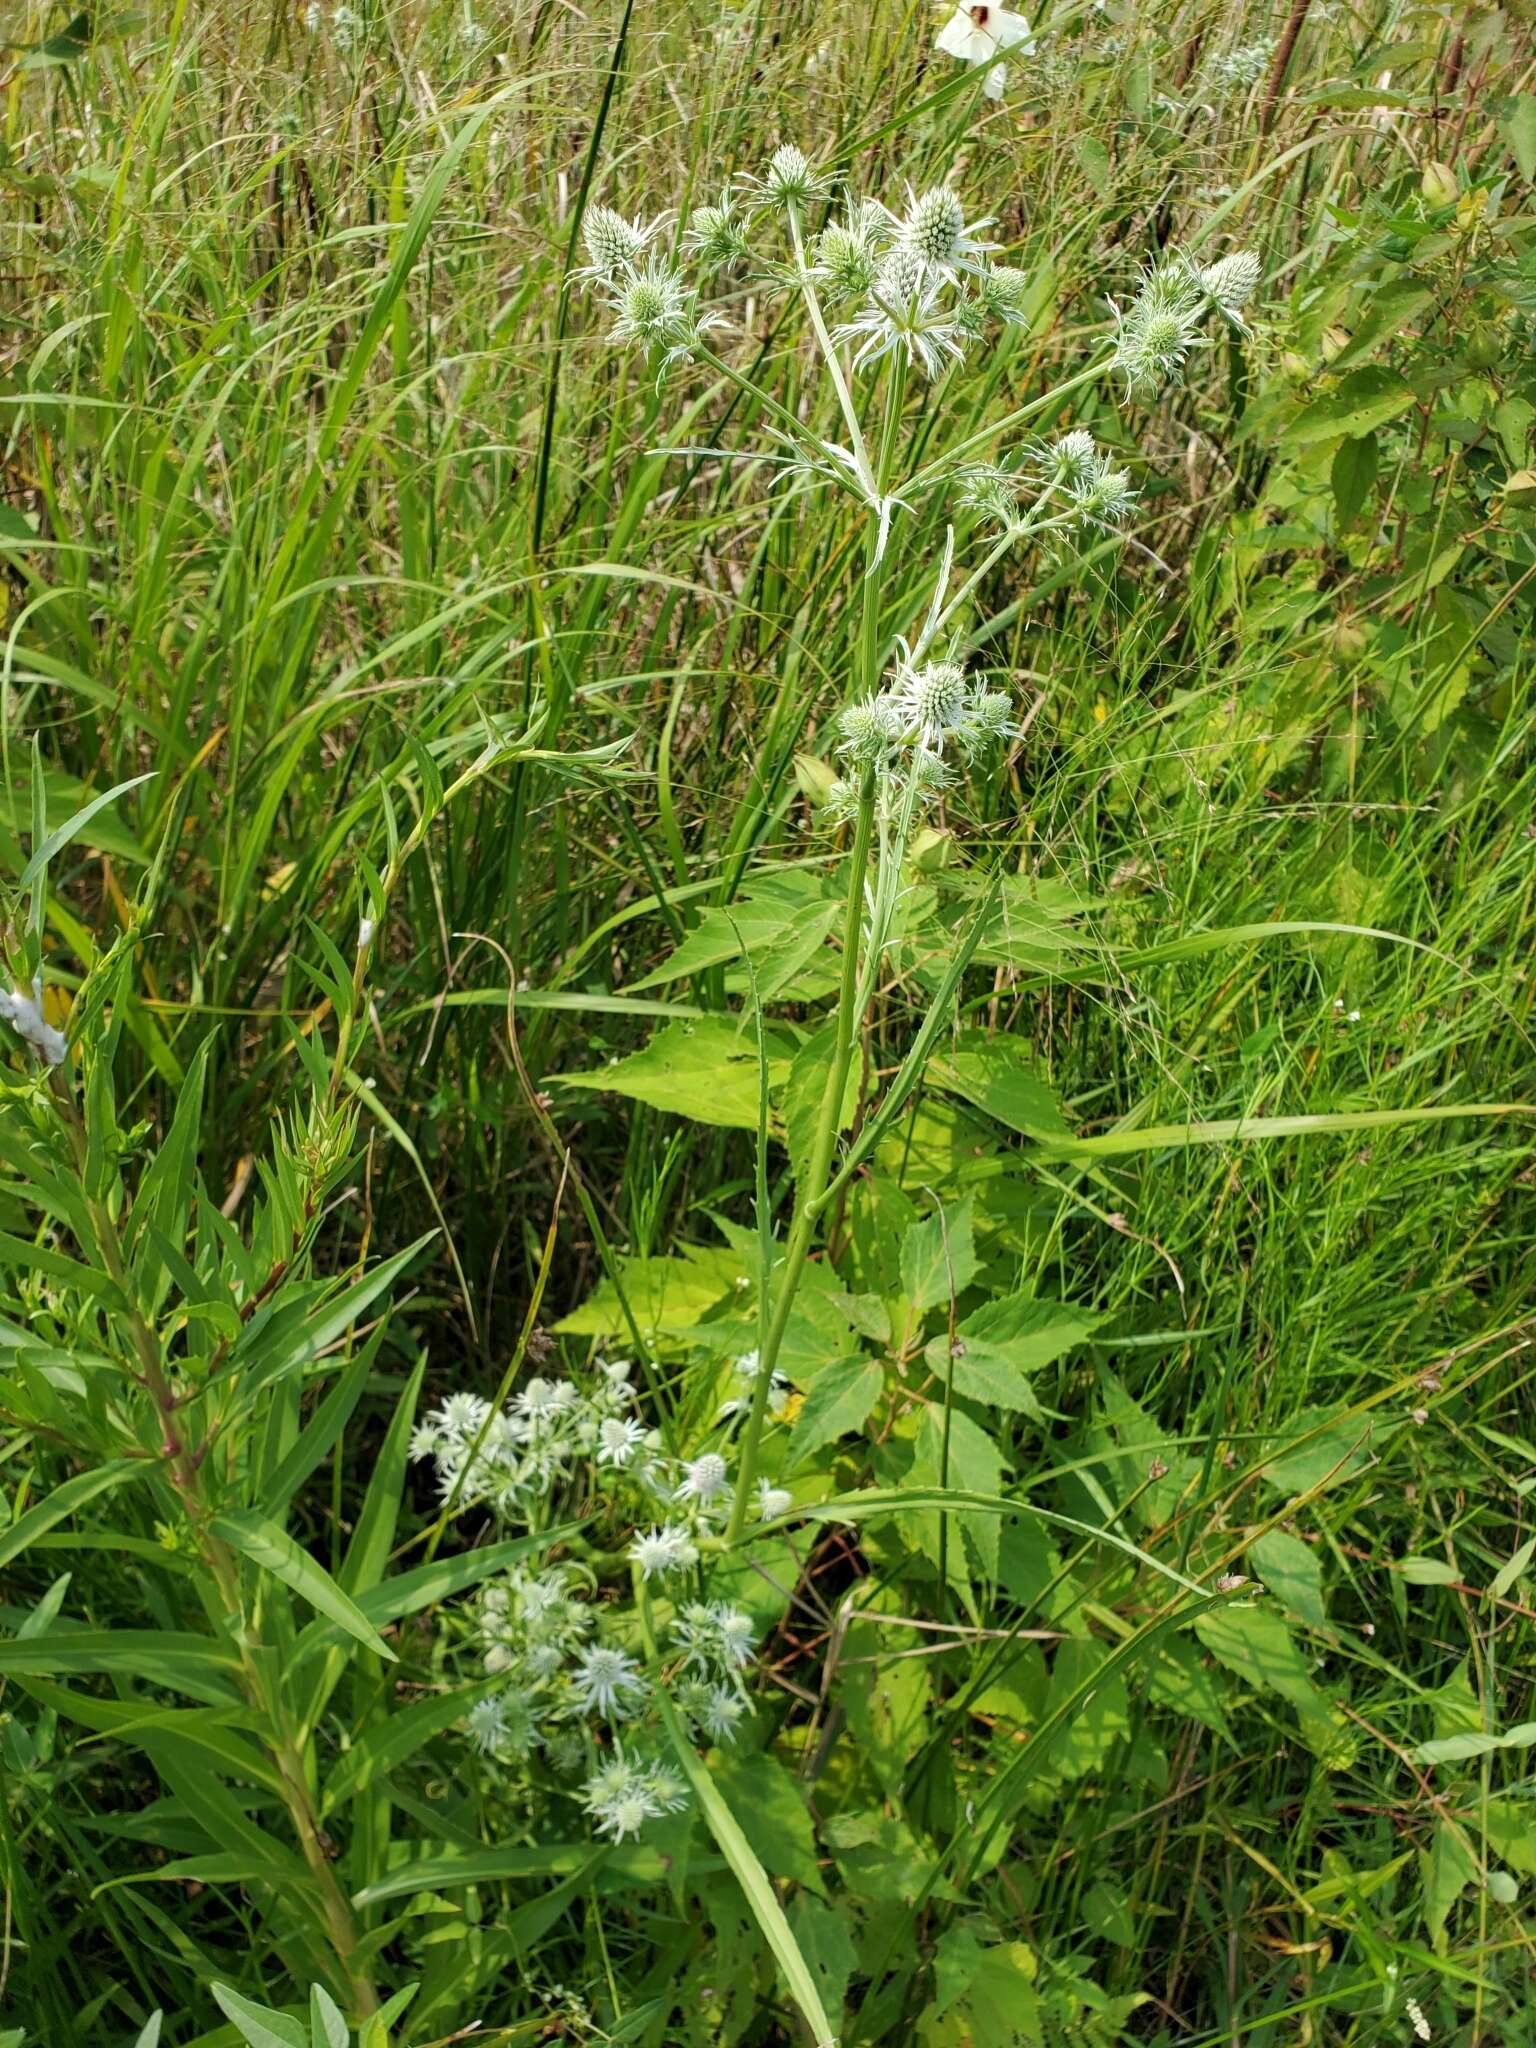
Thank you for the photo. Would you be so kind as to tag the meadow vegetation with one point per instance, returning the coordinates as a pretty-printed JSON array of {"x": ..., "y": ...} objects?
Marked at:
[{"x": 768, "y": 869}]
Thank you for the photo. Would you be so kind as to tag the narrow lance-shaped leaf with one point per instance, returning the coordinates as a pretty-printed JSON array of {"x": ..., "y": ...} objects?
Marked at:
[
  {"x": 274, "y": 1551},
  {"x": 63, "y": 1501},
  {"x": 752, "y": 1878}
]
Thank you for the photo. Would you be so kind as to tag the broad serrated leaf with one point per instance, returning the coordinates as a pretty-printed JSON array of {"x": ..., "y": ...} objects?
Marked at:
[
  {"x": 772, "y": 1814},
  {"x": 781, "y": 922},
  {"x": 1352, "y": 475},
  {"x": 971, "y": 1464},
  {"x": 706, "y": 1071},
  {"x": 664, "y": 1295},
  {"x": 1005, "y": 1341},
  {"x": 838, "y": 1402},
  {"x": 1292, "y": 1572},
  {"x": 1255, "y": 1643},
  {"x": 1321, "y": 1447},
  {"x": 938, "y": 1256},
  {"x": 803, "y": 1092},
  {"x": 1365, "y": 398},
  {"x": 998, "y": 1076},
  {"x": 1446, "y": 1869}
]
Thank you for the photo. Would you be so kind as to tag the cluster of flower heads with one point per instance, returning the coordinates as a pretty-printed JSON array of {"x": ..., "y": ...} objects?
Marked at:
[
  {"x": 568, "y": 1678},
  {"x": 905, "y": 732},
  {"x": 1166, "y": 320},
  {"x": 512, "y": 1460},
  {"x": 558, "y": 1436},
  {"x": 1240, "y": 67},
  {"x": 924, "y": 280},
  {"x": 919, "y": 283},
  {"x": 1069, "y": 481},
  {"x": 567, "y": 1686}
]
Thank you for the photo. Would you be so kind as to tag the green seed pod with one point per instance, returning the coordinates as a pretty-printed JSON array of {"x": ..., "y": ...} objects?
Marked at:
[{"x": 1438, "y": 184}]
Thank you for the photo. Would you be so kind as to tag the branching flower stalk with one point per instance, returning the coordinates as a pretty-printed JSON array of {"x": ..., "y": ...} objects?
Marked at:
[{"x": 912, "y": 289}]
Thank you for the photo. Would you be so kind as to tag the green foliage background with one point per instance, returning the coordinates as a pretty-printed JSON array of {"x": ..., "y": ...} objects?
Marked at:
[{"x": 333, "y": 526}]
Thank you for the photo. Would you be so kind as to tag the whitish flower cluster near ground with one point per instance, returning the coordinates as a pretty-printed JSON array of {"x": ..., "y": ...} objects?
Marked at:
[{"x": 573, "y": 1683}]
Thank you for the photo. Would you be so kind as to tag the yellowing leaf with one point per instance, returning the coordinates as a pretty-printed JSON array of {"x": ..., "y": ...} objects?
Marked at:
[{"x": 705, "y": 1070}]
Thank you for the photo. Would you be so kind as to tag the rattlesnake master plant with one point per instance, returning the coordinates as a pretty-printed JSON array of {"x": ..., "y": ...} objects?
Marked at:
[{"x": 889, "y": 292}]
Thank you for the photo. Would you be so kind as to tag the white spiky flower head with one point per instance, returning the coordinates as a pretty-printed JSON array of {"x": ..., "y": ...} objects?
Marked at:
[
  {"x": 939, "y": 704},
  {"x": 991, "y": 493},
  {"x": 789, "y": 179},
  {"x": 1073, "y": 457},
  {"x": 1162, "y": 324},
  {"x": 840, "y": 805},
  {"x": 935, "y": 228},
  {"x": 979, "y": 34},
  {"x": 1106, "y": 498},
  {"x": 934, "y": 698},
  {"x": 868, "y": 730},
  {"x": 486, "y": 1722},
  {"x": 705, "y": 1479},
  {"x": 847, "y": 258},
  {"x": 620, "y": 1797},
  {"x": 1230, "y": 283},
  {"x": 736, "y": 1633},
  {"x": 663, "y": 1550},
  {"x": 716, "y": 234},
  {"x": 724, "y": 1710},
  {"x": 1004, "y": 292},
  {"x": 905, "y": 315},
  {"x": 614, "y": 244},
  {"x": 773, "y": 1501},
  {"x": 666, "y": 1788},
  {"x": 620, "y": 1439},
  {"x": 748, "y": 1370},
  {"x": 653, "y": 307},
  {"x": 606, "y": 1682}
]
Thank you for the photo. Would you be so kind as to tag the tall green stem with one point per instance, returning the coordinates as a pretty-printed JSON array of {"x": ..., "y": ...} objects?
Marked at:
[
  {"x": 819, "y": 1166},
  {"x": 187, "y": 1472}
]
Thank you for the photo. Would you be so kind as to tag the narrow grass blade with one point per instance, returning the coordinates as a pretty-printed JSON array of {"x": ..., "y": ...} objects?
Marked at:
[{"x": 752, "y": 1878}]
